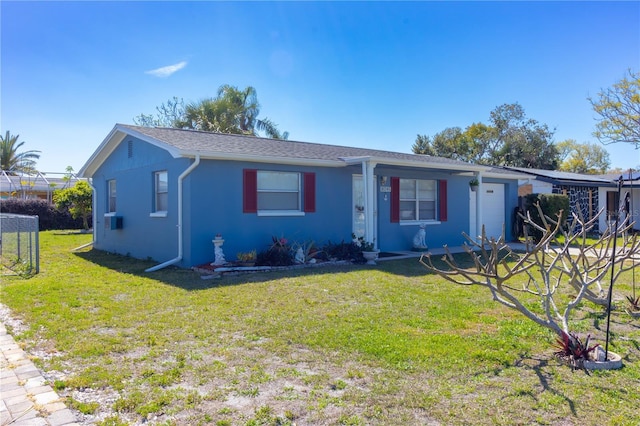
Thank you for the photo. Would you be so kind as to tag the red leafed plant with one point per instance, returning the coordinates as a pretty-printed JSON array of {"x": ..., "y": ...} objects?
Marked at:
[{"x": 571, "y": 349}]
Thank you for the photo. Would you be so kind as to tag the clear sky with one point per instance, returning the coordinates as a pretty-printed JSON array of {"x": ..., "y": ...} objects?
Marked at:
[{"x": 369, "y": 74}]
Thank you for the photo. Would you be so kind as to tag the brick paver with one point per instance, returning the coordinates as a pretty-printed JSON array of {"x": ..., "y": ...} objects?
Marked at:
[{"x": 25, "y": 397}]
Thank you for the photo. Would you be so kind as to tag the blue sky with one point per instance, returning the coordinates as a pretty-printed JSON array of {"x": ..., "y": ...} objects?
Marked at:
[{"x": 370, "y": 74}]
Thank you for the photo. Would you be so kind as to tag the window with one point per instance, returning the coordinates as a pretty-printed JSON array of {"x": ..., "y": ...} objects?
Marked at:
[
  {"x": 278, "y": 191},
  {"x": 111, "y": 202},
  {"x": 161, "y": 191},
  {"x": 417, "y": 199}
]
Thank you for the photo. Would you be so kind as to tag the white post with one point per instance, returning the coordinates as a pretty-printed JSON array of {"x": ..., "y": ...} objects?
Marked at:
[{"x": 370, "y": 234}]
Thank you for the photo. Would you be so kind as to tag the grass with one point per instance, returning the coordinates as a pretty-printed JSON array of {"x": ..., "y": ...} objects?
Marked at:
[{"x": 349, "y": 345}]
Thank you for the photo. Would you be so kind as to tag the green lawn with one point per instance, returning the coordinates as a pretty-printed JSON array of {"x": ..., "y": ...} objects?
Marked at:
[{"x": 352, "y": 345}]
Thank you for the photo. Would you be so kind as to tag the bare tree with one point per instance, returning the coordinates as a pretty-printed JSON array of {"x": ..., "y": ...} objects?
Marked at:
[{"x": 559, "y": 273}]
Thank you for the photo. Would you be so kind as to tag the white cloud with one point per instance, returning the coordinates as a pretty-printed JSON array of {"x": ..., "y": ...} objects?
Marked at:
[{"x": 168, "y": 70}]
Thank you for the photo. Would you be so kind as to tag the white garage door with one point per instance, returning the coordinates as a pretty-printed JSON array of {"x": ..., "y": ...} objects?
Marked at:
[{"x": 493, "y": 208}]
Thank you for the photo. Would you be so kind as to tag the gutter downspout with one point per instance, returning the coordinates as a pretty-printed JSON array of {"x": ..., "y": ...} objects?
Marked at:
[{"x": 180, "y": 236}]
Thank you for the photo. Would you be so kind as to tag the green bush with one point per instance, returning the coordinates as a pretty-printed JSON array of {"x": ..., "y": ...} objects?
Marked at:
[
  {"x": 551, "y": 205},
  {"x": 49, "y": 217}
]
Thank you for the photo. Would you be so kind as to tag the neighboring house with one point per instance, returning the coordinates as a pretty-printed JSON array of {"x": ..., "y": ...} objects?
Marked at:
[
  {"x": 37, "y": 185},
  {"x": 587, "y": 193},
  {"x": 629, "y": 194},
  {"x": 164, "y": 194}
]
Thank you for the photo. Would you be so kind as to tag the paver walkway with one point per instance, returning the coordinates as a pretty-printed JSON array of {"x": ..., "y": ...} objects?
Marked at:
[{"x": 25, "y": 398}]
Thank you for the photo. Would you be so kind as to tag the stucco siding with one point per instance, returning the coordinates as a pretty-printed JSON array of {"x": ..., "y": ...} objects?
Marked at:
[
  {"x": 399, "y": 236},
  {"x": 133, "y": 169},
  {"x": 214, "y": 205}
]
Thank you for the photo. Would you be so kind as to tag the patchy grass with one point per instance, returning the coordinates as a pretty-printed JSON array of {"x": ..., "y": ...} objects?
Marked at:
[{"x": 348, "y": 345}]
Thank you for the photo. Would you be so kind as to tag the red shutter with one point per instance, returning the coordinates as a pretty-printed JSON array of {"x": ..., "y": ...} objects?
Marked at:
[
  {"x": 249, "y": 191},
  {"x": 395, "y": 200},
  {"x": 310, "y": 192},
  {"x": 442, "y": 191}
]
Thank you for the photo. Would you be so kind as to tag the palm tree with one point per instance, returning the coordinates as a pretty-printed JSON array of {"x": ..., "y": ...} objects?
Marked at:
[
  {"x": 231, "y": 111},
  {"x": 12, "y": 161}
]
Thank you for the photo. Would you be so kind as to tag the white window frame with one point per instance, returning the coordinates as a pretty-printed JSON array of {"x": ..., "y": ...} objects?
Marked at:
[
  {"x": 111, "y": 196},
  {"x": 263, "y": 174},
  {"x": 416, "y": 199},
  {"x": 158, "y": 212}
]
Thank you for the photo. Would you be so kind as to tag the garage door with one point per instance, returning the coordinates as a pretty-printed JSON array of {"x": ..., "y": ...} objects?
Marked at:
[{"x": 493, "y": 208}]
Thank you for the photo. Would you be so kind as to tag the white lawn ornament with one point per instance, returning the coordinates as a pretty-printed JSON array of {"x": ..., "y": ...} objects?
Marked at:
[{"x": 419, "y": 240}]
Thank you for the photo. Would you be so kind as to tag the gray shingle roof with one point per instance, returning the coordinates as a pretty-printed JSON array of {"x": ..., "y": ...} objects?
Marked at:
[{"x": 208, "y": 143}]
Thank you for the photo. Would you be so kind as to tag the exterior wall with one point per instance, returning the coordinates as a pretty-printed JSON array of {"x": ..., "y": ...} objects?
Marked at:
[
  {"x": 583, "y": 199},
  {"x": 398, "y": 236},
  {"x": 602, "y": 205},
  {"x": 141, "y": 236},
  {"x": 213, "y": 203},
  {"x": 634, "y": 206},
  {"x": 540, "y": 187}
]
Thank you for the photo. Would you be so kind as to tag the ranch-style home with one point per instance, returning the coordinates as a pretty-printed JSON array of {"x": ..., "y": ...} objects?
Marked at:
[{"x": 164, "y": 194}]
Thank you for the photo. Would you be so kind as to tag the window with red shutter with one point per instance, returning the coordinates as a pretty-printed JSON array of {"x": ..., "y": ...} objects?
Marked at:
[
  {"x": 395, "y": 200},
  {"x": 418, "y": 200},
  {"x": 310, "y": 192},
  {"x": 250, "y": 191},
  {"x": 442, "y": 194}
]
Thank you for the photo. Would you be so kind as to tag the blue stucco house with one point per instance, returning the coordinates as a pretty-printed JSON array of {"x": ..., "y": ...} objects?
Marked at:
[{"x": 163, "y": 194}]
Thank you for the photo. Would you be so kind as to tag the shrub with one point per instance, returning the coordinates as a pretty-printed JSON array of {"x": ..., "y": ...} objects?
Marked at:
[
  {"x": 50, "y": 218},
  {"x": 344, "y": 251},
  {"x": 278, "y": 254},
  {"x": 551, "y": 205}
]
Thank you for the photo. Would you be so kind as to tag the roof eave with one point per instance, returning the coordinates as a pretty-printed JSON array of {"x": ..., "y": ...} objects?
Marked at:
[
  {"x": 111, "y": 142},
  {"x": 260, "y": 159},
  {"x": 418, "y": 164},
  {"x": 102, "y": 152}
]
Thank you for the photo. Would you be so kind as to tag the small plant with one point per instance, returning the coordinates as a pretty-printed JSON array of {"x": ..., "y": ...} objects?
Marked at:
[
  {"x": 245, "y": 257},
  {"x": 363, "y": 244},
  {"x": 571, "y": 349},
  {"x": 306, "y": 251},
  {"x": 342, "y": 251},
  {"x": 634, "y": 304},
  {"x": 278, "y": 254},
  {"x": 474, "y": 182}
]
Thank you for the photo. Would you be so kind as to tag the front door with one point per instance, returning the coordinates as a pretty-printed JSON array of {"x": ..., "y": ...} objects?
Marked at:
[{"x": 493, "y": 214}]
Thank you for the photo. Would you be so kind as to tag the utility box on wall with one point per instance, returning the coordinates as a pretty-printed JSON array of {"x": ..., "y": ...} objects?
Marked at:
[{"x": 114, "y": 222}]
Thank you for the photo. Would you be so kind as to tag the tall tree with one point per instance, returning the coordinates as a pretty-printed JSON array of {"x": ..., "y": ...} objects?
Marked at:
[
  {"x": 12, "y": 161},
  {"x": 583, "y": 158},
  {"x": 519, "y": 141},
  {"x": 168, "y": 115},
  {"x": 450, "y": 143},
  {"x": 510, "y": 140},
  {"x": 619, "y": 111},
  {"x": 231, "y": 111}
]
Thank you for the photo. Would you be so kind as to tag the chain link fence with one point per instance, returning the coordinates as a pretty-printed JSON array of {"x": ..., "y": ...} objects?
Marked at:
[{"x": 19, "y": 244}]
